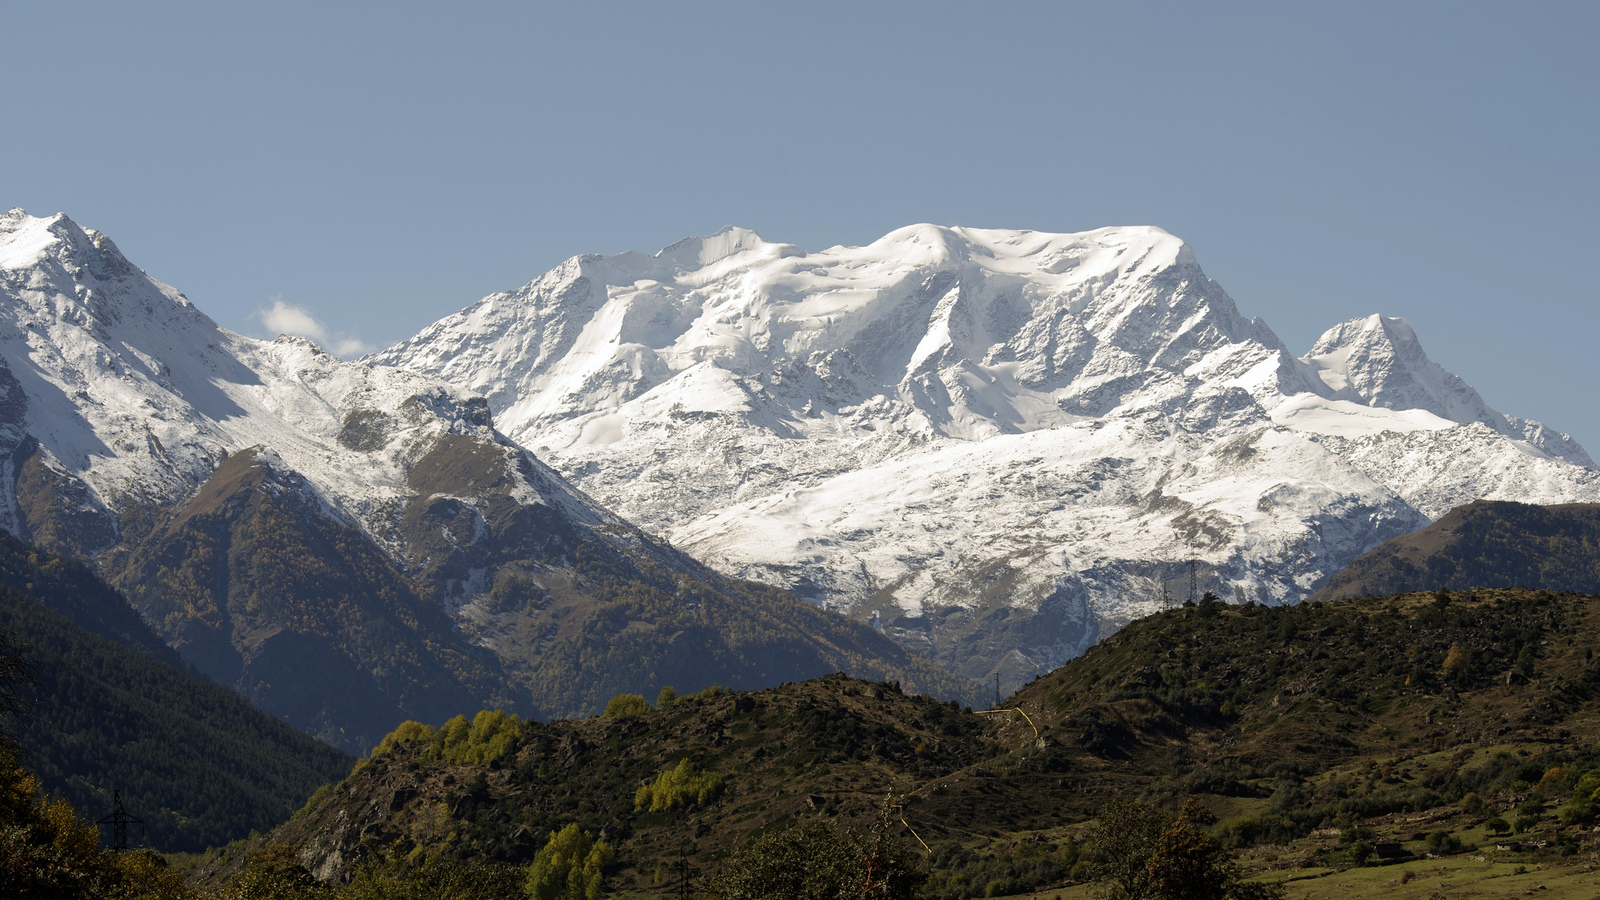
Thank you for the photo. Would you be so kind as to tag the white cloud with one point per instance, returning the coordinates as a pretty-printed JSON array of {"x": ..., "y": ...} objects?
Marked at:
[{"x": 286, "y": 318}]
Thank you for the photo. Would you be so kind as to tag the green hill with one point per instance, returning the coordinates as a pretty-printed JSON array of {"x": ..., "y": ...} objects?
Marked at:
[
  {"x": 1304, "y": 688},
  {"x": 1293, "y": 723},
  {"x": 198, "y": 763},
  {"x": 832, "y": 744},
  {"x": 1487, "y": 543}
]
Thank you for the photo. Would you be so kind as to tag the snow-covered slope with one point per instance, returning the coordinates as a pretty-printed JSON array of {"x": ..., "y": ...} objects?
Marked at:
[
  {"x": 349, "y": 544},
  {"x": 988, "y": 443},
  {"x": 1378, "y": 362},
  {"x": 131, "y": 389},
  {"x": 251, "y": 497}
]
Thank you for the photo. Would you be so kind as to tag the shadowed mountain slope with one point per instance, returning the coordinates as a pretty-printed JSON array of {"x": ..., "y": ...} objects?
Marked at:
[
  {"x": 197, "y": 762},
  {"x": 1489, "y": 543}
]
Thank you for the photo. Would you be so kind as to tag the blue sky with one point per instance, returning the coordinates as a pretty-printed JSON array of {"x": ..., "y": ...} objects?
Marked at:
[{"x": 380, "y": 166}]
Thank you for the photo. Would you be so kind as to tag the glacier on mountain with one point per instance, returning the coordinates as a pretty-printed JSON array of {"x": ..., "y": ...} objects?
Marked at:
[{"x": 991, "y": 444}]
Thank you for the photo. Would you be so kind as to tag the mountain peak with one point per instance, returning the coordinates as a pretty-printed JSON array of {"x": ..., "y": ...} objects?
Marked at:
[
  {"x": 27, "y": 241},
  {"x": 1126, "y": 249},
  {"x": 24, "y": 239},
  {"x": 1378, "y": 361},
  {"x": 1393, "y": 329},
  {"x": 729, "y": 240}
]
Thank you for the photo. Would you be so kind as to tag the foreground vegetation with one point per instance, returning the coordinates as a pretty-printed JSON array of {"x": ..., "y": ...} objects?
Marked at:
[{"x": 1264, "y": 751}]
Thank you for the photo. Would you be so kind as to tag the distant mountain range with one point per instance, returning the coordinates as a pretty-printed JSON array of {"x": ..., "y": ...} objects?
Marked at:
[
  {"x": 990, "y": 444},
  {"x": 349, "y": 545},
  {"x": 984, "y": 447}
]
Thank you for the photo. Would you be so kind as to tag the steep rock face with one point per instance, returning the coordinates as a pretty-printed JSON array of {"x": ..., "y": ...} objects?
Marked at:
[
  {"x": 348, "y": 544},
  {"x": 991, "y": 444}
]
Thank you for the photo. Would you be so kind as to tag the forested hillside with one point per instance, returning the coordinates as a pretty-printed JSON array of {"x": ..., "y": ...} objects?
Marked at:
[
  {"x": 1442, "y": 707},
  {"x": 1487, "y": 543},
  {"x": 198, "y": 763},
  {"x": 73, "y": 590}
]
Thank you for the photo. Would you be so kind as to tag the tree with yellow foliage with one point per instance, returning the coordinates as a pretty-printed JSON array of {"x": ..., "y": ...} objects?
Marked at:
[
  {"x": 1456, "y": 662},
  {"x": 570, "y": 867},
  {"x": 681, "y": 785}
]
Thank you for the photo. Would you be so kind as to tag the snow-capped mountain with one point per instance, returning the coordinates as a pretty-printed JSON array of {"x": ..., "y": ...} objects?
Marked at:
[
  {"x": 346, "y": 543},
  {"x": 990, "y": 444},
  {"x": 139, "y": 395}
]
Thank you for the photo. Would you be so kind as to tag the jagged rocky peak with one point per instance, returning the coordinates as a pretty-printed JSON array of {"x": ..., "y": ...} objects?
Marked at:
[
  {"x": 25, "y": 239},
  {"x": 29, "y": 240},
  {"x": 1378, "y": 361},
  {"x": 127, "y": 398}
]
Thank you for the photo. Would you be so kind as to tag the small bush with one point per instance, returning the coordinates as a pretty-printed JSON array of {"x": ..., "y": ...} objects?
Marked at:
[
  {"x": 1585, "y": 802},
  {"x": 492, "y": 735},
  {"x": 488, "y": 737},
  {"x": 1361, "y": 852},
  {"x": 818, "y": 860},
  {"x": 406, "y": 733},
  {"x": 390, "y": 874},
  {"x": 1443, "y": 843},
  {"x": 321, "y": 794}
]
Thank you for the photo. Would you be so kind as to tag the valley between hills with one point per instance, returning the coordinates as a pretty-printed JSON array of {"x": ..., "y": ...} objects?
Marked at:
[{"x": 680, "y": 574}]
